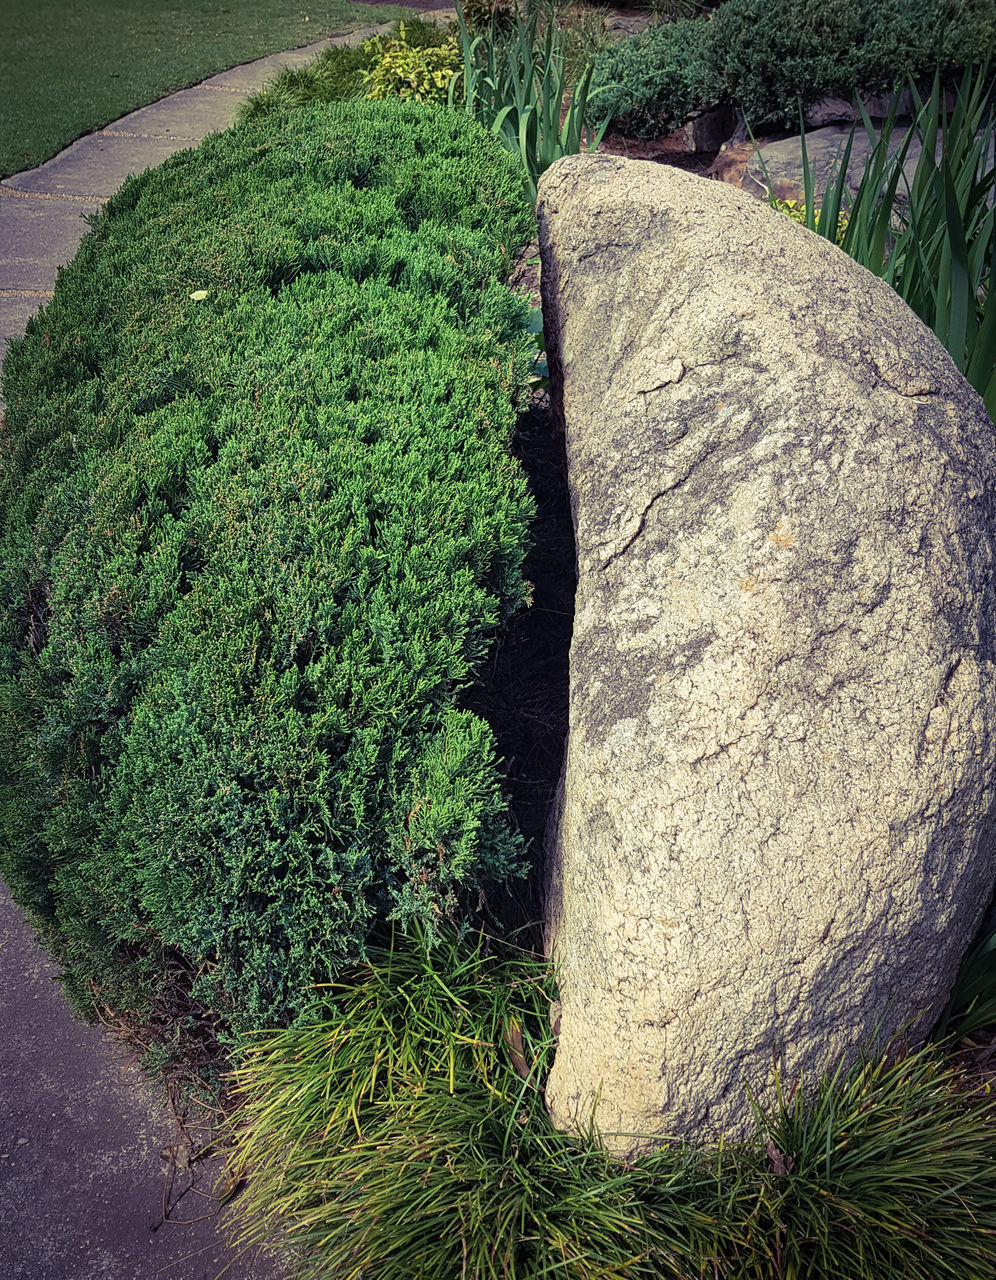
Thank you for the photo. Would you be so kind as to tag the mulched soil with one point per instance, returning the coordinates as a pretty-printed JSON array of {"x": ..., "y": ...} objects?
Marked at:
[{"x": 523, "y": 689}]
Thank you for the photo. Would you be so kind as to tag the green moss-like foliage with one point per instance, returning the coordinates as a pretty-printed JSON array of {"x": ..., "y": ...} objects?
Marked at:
[
  {"x": 775, "y": 53},
  {"x": 767, "y": 56},
  {"x": 258, "y": 523}
]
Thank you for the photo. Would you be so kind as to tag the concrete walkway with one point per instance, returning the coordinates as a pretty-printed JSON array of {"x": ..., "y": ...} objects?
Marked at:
[{"x": 89, "y": 1151}]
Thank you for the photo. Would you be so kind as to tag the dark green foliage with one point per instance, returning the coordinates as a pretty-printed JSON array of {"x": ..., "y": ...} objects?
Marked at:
[
  {"x": 336, "y": 74},
  {"x": 655, "y": 81},
  {"x": 767, "y": 56},
  {"x": 253, "y": 544},
  {"x": 485, "y": 17},
  {"x": 772, "y": 54}
]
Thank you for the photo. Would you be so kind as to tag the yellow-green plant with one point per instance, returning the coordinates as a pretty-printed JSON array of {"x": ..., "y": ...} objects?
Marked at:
[
  {"x": 798, "y": 212},
  {"x": 483, "y": 16},
  {"x": 407, "y": 71}
]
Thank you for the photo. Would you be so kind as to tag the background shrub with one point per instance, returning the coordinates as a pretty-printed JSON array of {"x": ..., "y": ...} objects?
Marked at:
[
  {"x": 772, "y": 54},
  {"x": 405, "y": 70},
  {"x": 495, "y": 16},
  {"x": 258, "y": 523},
  {"x": 654, "y": 81},
  {"x": 767, "y": 56}
]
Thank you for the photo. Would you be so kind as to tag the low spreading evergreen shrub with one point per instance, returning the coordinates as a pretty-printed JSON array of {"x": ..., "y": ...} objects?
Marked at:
[
  {"x": 931, "y": 234},
  {"x": 768, "y": 56},
  {"x": 258, "y": 524},
  {"x": 654, "y": 81},
  {"x": 774, "y": 54}
]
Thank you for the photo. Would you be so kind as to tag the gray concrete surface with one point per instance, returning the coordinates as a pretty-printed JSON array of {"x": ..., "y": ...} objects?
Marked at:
[{"x": 82, "y": 1137}]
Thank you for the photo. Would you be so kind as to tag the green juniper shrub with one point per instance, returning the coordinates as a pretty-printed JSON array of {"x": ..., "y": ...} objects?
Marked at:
[
  {"x": 259, "y": 522},
  {"x": 768, "y": 56},
  {"x": 774, "y": 54},
  {"x": 654, "y": 81},
  {"x": 916, "y": 37}
]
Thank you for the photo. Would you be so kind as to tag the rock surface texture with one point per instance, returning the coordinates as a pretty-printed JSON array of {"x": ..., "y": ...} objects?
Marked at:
[
  {"x": 775, "y": 824},
  {"x": 779, "y": 168}
]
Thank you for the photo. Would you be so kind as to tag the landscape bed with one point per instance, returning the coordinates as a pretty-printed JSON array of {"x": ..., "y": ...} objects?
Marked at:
[{"x": 262, "y": 522}]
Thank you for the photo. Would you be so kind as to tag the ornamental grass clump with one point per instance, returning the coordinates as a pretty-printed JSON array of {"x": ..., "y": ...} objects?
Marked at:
[
  {"x": 929, "y": 228},
  {"x": 400, "y": 1131},
  {"x": 259, "y": 522},
  {"x": 517, "y": 84}
]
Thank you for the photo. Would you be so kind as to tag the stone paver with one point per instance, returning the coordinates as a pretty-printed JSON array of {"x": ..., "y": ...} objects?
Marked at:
[
  {"x": 252, "y": 76},
  {"x": 38, "y": 237}
]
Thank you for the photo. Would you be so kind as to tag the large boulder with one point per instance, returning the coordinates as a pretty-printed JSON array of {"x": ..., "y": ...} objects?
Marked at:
[
  {"x": 774, "y": 831},
  {"x": 777, "y": 167}
]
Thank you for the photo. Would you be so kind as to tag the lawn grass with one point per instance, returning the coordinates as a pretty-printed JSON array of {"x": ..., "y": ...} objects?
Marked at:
[{"x": 69, "y": 68}]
